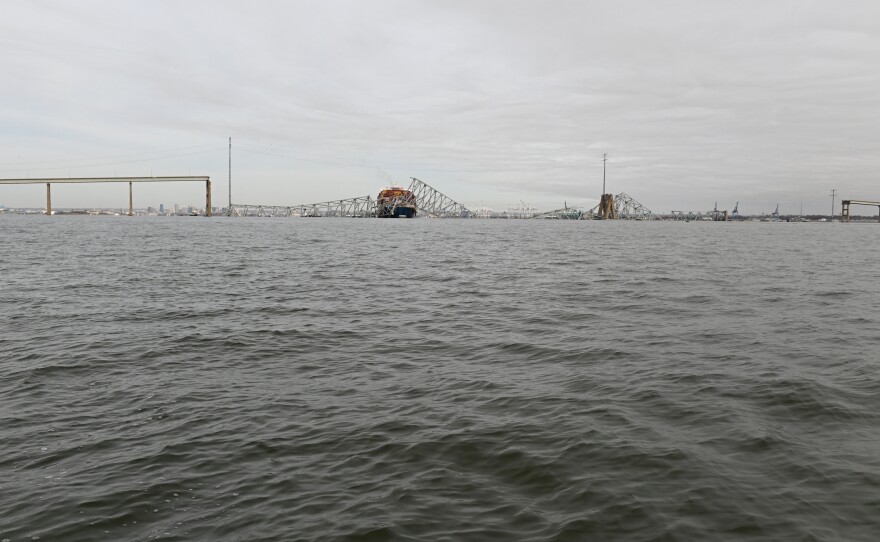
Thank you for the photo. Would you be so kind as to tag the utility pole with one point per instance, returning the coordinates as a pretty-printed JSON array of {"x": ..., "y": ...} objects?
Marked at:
[
  {"x": 229, "y": 210},
  {"x": 606, "y": 202},
  {"x": 833, "y": 193},
  {"x": 604, "y": 159}
]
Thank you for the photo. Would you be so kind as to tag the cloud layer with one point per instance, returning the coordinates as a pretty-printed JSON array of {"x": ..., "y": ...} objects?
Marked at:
[{"x": 498, "y": 102}]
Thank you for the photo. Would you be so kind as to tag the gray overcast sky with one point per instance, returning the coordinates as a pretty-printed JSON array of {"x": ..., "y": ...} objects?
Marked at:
[{"x": 490, "y": 101}]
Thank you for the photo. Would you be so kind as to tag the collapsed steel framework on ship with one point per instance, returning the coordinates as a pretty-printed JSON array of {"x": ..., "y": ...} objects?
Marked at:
[{"x": 432, "y": 203}]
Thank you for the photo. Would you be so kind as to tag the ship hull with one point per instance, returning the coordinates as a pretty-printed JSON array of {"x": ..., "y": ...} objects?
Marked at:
[
  {"x": 396, "y": 202},
  {"x": 397, "y": 212}
]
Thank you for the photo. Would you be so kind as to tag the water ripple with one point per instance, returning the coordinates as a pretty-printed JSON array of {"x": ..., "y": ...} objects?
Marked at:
[{"x": 183, "y": 379}]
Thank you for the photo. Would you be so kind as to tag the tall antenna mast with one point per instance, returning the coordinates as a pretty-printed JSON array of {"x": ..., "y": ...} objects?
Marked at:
[
  {"x": 604, "y": 159},
  {"x": 230, "y": 176},
  {"x": 833, "y": 193}
]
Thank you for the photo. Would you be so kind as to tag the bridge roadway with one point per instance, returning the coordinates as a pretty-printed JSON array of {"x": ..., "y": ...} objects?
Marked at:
[
  {"x": 844, "y": 210},
  {"x": 130, "y": 180}
]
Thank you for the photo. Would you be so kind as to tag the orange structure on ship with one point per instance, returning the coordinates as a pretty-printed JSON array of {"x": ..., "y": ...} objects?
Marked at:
[{"x": 396, "y": 202}]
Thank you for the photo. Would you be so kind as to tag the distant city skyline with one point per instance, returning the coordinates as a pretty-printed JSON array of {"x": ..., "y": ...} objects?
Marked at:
[{"x": 493, "y": 103}]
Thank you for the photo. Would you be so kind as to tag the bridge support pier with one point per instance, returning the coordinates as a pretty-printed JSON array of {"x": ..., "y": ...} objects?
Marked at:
[
  {"x": 49, "y": 181},
  {"x": 607, "y": 210},
  {"x": 207, "y": 198},
  {"x": 844, "y": 208}
]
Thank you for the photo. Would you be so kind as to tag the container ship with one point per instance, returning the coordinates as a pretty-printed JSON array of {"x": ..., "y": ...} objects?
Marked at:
[{"x": 396, "y": 202}]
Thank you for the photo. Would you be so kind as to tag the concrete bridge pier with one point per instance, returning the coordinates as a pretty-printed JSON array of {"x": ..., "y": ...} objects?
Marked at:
[
  {"x": 49, "y": 181},
  {"x": 844, "y": 209}
]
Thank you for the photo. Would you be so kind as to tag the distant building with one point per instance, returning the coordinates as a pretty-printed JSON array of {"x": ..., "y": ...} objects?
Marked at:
[{"x": 161, "y": 208}]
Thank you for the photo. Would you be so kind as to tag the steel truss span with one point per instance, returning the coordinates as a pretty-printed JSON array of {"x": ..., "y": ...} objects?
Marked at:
[
  {"x": 687, "y": 216},
  {"x": 361, "y": 207},
  {"x": 429, "y": 202},
  {"x": 433, "y": 203},
  {"x": 627, "y": 209},
  {"x": 566, "y": 213}
]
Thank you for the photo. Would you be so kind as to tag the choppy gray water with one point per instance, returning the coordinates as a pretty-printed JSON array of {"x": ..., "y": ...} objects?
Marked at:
[{"x": 320, "y": 379}]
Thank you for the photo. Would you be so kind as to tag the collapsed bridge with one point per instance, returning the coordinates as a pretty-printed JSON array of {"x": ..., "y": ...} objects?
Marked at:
[{"x": 432, "y": 203}]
